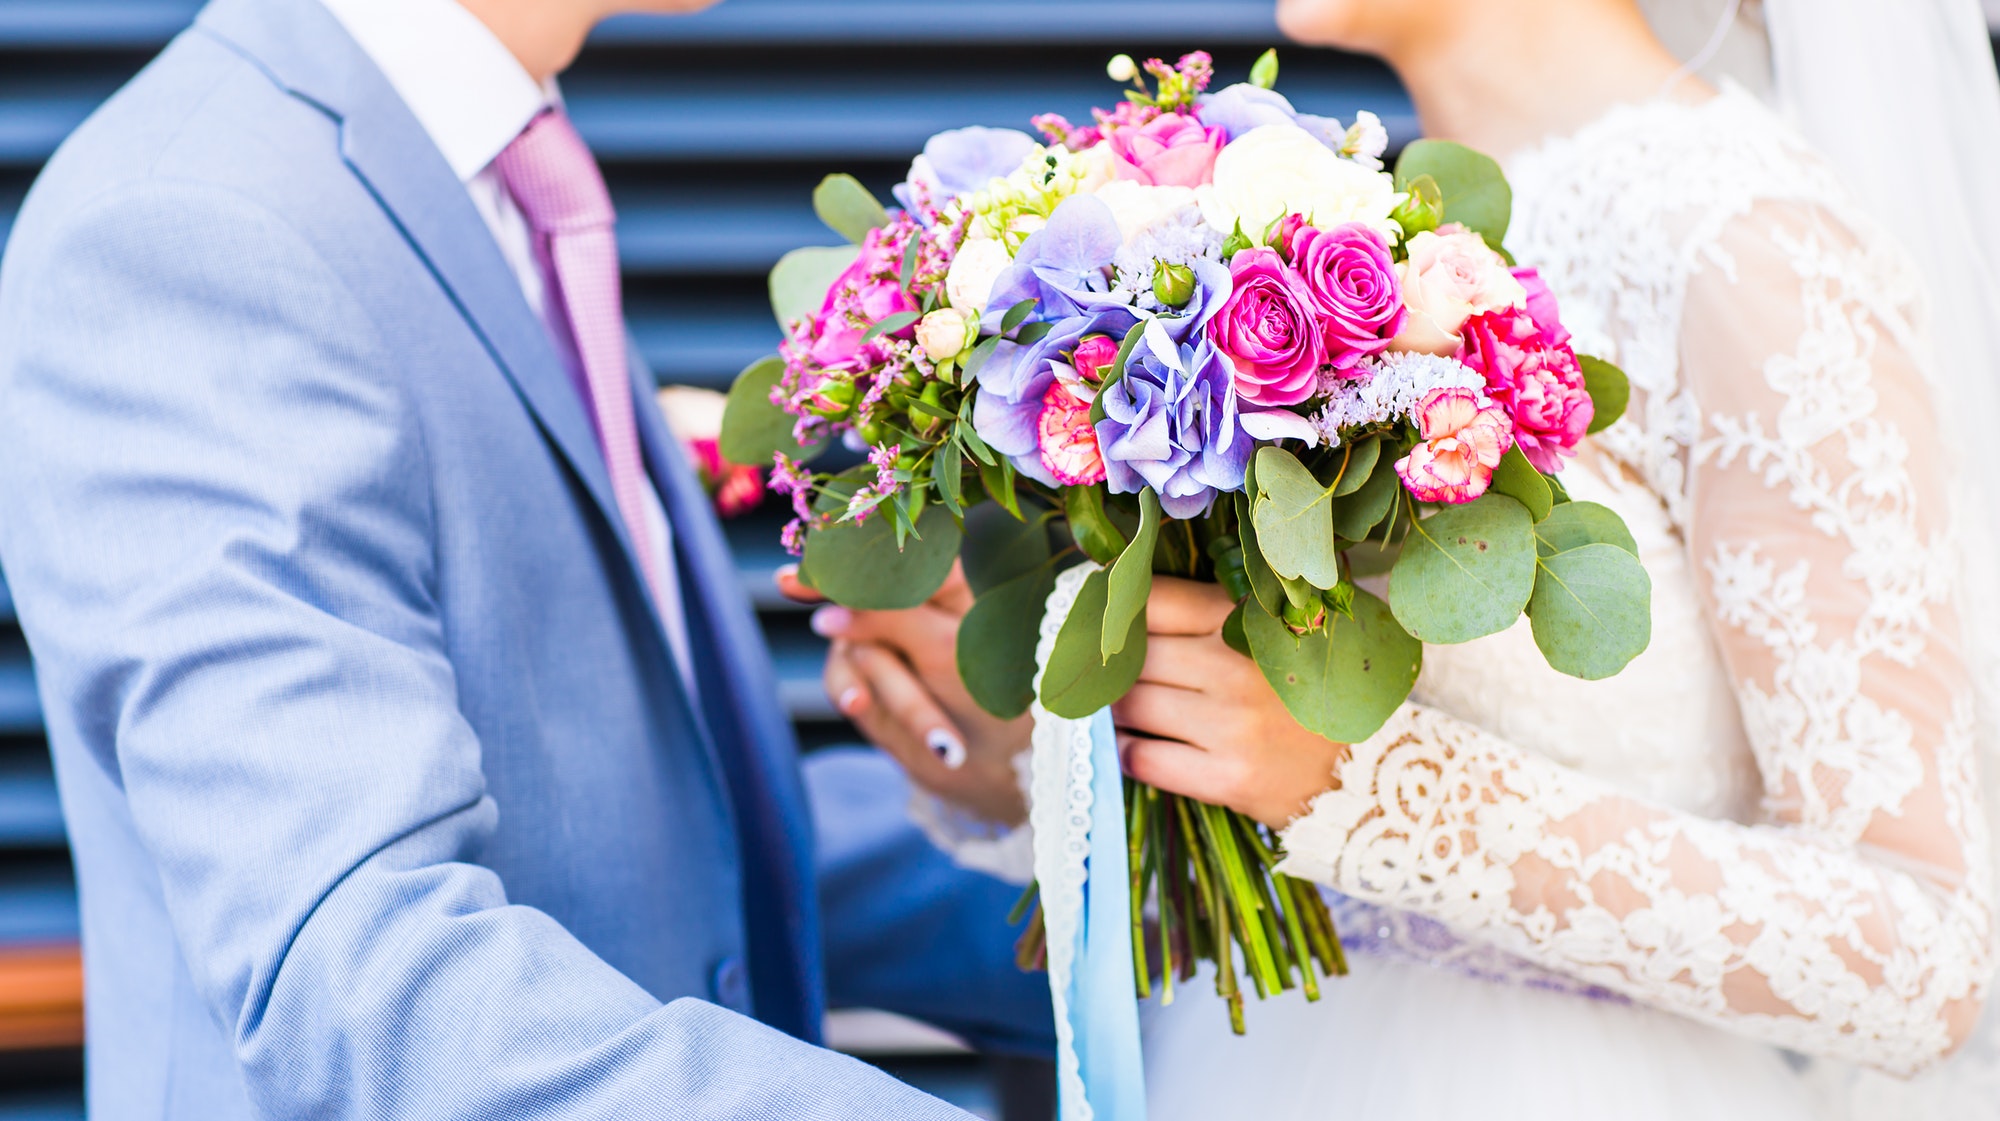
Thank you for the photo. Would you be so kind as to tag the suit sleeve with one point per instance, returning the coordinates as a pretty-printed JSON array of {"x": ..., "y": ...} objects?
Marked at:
[{"x": 217, "y": 520}]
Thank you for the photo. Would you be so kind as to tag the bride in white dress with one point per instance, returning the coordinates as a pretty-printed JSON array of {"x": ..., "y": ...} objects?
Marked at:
[{"x": 1753, "y": 870}]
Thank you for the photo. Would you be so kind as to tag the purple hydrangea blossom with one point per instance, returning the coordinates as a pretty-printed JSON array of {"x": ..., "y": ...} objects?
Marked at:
[
  {"x": 1171, "y": 423},
  {"x": 1064, "y": 265},
  {"x": 1239, "y": 108},
  {"x": 962, "y": 161},
  {"x": 1015, "y": 380}
]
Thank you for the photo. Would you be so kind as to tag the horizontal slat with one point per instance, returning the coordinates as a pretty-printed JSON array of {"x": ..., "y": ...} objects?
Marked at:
[
  {"x": 30, "y": 815},
  {"x": 20, "y": 709},
  {"x": 6, "y": 602},
  {"x": 41, "y": 998},
  {"x": 1209, "y": 23},
  {"x": 42, "y": 1105},
  {"x": 37, "y": 904},
  {"x": 702, "y": 343},
  {"x": 103, "y": 24}
]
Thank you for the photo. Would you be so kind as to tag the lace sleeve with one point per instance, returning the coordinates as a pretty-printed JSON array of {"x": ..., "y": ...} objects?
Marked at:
[
  {"x": 1853, "y": 918},
  {"x": 1005, "y": 852}
]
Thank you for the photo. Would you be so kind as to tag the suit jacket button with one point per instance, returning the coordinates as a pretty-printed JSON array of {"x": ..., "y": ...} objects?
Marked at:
[{"x": 732, "y": 984}]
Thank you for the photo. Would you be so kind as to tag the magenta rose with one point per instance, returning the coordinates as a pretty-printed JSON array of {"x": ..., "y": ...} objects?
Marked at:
[
  {"x": 1171, "y": 150},
  {"x": 1542, "y": 306},
  {"x": 1536, "y": 380},
  {"x": 1270, "y": 330},
  {"x": 867, "y": 293},
  {"x": 1352, "y": 277}
]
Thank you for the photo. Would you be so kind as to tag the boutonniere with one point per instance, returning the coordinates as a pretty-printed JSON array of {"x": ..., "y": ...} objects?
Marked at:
[{"x": 695, "y": 417}]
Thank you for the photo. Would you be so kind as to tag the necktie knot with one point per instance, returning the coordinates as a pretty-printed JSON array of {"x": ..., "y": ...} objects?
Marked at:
[{"x": 554, "y": 179}]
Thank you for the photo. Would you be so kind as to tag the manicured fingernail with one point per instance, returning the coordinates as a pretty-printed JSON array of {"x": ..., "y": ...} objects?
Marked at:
[
  {"x": 849, "y": 701},
  {"x": 946, "y": 747},
  {"x": 786, "y": 572},
  {"x": 832, "y": 621}
]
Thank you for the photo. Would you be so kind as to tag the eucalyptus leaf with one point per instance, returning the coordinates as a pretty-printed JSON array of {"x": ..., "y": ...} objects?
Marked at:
[
  {"x": 1474, "y": 189},
  {"x": 997, "y": 639},
  {"x": 1294, "y": 519},
  {"x": 1092, "y": 527},
  {"x": 889, "y": 325},
  {"x": 754, "y": 429},
  {"x": 802, "y": 277},
  {"x": 1592, "y": 610},
  {"x": 1131, "y": 578},
  {"x": 1517, "y": 479},
  {"x": 1356, "y": 515},
  {"x": 1610, "y": 391},
  {"x": 1357, "y": 466},
  {"x": 848, "y": 208},
  {"x": 1000, "y": 547},
  {"x": 858, "y": 564},
  {"x": 1372, "y": 558},
  {"x": 1233, "y": 634},
  {"x": 1078, "y": 680},
  {"x": 1344, "y": 681},
  {"x": 1265, "y": 587},
  {"x": 1573, "y": 525},
  {"x": 1466, "y": 571}
]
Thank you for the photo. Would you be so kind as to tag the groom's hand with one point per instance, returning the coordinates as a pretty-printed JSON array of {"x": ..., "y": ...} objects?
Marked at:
[{"x": 895, "y": 675}]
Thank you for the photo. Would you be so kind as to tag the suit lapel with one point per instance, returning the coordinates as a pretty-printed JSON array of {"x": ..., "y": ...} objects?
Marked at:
[{"x": 306, "y": 50}]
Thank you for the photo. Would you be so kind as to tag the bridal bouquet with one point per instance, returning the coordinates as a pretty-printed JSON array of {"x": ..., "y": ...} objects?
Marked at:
[{"x": 1210, "y": 336}]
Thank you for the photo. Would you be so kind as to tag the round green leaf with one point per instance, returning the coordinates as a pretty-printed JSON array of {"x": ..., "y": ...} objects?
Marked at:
[
  {"x": 1131, "y": 580},
  {"x": 1610, "y": 391},
  {"x": 998, "y": 547},
  {"x": 1466, "y": 571},
  {"x": 753, "y": 429},
  {"x": 1517, "y": 479},
  {"x": 996, "y": 642},
  {"x": 1475, "y": 190},
  {"x": 1356, "y": 515},
  {"x": 858, "y": 565},
  {"x": 848, "y": 208},
  {"x": 802, "y": 277},
  {"x": 1264, "y": 584},
  {"x": 1079, "y": 679},
  {"x": 1294, "y": 519},
  {"x": 1592, "y": 610},
  {"x": 1344, "y": 681},
  {"x": 1573, "y": 525}
]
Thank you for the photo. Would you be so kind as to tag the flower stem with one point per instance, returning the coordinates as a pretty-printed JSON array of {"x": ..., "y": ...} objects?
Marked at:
[{"x": 1135, "y": 836}]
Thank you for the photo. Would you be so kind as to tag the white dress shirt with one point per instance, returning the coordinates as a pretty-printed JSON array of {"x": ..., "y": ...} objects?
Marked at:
[{"x": 473, "y": 97}]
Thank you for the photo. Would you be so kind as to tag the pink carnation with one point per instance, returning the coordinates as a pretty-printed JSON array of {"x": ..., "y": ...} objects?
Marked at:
[
  {"x": 1536, "y": 379},
  {"x": 1066, "y": 438},
  {"x": 1171, "y": 150},
  {"x": 1464, "y": 438},
  {"x": 1270, "y": 329}
]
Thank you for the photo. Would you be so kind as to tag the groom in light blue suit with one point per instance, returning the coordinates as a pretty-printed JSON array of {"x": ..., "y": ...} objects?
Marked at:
[{"x": 420, "y": 754}]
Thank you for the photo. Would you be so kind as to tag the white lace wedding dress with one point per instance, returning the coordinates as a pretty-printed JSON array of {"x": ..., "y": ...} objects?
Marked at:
[{"x": 1672, "y": 894}]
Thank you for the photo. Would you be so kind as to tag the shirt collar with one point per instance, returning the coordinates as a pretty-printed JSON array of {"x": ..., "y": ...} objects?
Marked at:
[{"x": 464, "y": 86}]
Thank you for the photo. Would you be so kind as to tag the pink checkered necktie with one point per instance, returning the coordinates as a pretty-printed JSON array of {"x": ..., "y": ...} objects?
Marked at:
[{"x": 560, "y": 191}]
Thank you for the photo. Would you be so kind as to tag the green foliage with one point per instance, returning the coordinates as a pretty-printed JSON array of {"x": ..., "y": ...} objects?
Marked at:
[
  {"x": 1356, "y": 467},
  {"x": 997, "y": 638},
  {"x": 999, "y": 547},
  {"x": 1344, "y": 680},
  {"x": 848, "y": 208},
  {"x": 1357, "y": 514},
  {"x": 1466, "y": 571},
  {"x": 1092, "y": 527},
  {"x": 1265, "y": 587},
  {"x": 998, "y": 479},
  {"x": 1233, "y": 634},
  {"x": 1517, "y": 479},
  {"x": 889, "y": 325},
  {"x": 1264, "y": 72},
  {"x": 1293, "y": 516},
  {"x": 1573, "y": 525},
  {"x": 1610, "y": 391},
  {"x": 1473, "y": 188},
  {"x": 1078, "y": 680},
  {"x": 1016, "y": 315},
  {"x": 753, "y": 429},
  {"x": 860, "y": 564},
  {"x": 1131, "y": 579},
  {"x": 800, "y": 281},
  {"x": 1592, "y": 610}
]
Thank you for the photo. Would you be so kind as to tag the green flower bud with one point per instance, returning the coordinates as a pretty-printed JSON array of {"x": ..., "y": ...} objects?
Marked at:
[
  {"x": 1305, "y": 620},
  {"x": 1173, "y": 285},
  {"x": 1423, "y": 209}
]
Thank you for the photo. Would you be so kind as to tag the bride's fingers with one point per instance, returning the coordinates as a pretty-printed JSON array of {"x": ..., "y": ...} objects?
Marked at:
[
  {"x": 844, "y": 685},
  {"x": 793, "y": 588},
  {"x": 905, "y": 702},
  {"x": 955, "y": 597},
  {"x": 1186, "y": 607},
  {"x": 1163, "y": 710},
  {"x": 1204, "y": 664},
  {"x": 1176, "y": 767}
]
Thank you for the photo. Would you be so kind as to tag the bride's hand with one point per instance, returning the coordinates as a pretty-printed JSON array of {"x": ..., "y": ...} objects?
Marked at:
[
  {"x": 1203, "y": 722},
  {"x": 894, "y": 674}
]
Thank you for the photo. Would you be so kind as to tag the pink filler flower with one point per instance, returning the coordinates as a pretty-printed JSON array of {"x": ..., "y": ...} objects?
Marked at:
[{"x": 1463, "y": 441}]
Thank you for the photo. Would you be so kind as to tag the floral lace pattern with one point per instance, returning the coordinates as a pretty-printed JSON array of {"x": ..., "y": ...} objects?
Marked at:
[{"x": 1780, "y": 424}]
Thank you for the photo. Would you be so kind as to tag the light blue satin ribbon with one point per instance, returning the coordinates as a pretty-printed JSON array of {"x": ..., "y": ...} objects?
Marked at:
[{"x": 1103, "y": 1008}]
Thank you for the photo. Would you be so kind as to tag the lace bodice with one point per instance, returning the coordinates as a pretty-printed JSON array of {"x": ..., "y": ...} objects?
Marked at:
[{"x": 1770, "y": 822}]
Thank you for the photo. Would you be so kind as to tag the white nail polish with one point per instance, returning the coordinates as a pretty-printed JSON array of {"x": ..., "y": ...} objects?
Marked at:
[
  {"x": 946, "y": 747},
  {"x": 848, "y": 700}
]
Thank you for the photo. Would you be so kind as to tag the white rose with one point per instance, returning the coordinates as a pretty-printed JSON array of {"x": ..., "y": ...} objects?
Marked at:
[
  {"x": 1451, "y": 276},
  {"x": 1275, "y": 170},
  {"x": 942, "y": 334},
  {"x": 1137, "y": 205},
  {"x": 980, "y": 263}
]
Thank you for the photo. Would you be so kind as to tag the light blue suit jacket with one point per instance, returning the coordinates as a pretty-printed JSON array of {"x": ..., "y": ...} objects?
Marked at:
[{"x": 386, "y": 799}]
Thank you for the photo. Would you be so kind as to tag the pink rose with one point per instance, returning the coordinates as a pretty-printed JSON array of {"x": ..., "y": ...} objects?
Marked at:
[
  {"x": 1093, "y": 355},
  {"x": 867, "y": 293},
  {"x": 1270, "y": 330},
  {"x": 1463, "y": 441},
  {"x": 1451, "y": 276},
  {"x": 1171, "y": 150},
  {"x": 1541, "y": 304},
  {"x": 1067, "y": 440},
  {"x": 1352, "y": 278},
  {"x": 1536, "y": 380}
]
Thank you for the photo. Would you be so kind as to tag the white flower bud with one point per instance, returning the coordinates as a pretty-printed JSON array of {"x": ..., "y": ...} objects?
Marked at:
[
  {"x": 1122, "y": 68},
  {"x": 942, "y": 334},
  {"x": 973, "y": 272}
]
